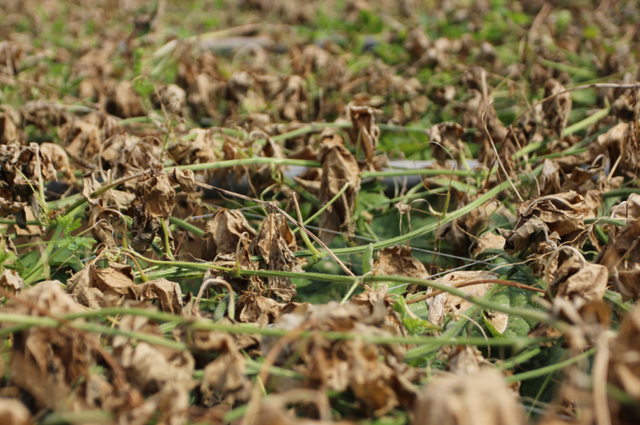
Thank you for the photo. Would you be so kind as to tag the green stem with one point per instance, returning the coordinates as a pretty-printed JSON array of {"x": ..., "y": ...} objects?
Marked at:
[
  {"x": 69, "y": 319},
  {"x": 167, "y": 245},
  {"x": 549, "y": 369},
  {"x": 324, "y": 207},
  {"x": 524, "y": 313}
]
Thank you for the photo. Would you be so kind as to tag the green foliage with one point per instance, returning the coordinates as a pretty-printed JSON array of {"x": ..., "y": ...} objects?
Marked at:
[{"x": 68, "y": 223}]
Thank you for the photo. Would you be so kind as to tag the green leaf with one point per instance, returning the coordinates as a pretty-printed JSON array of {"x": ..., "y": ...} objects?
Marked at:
[
  {"x": 367, "y": 259},
  {"x": 492, "y": 329},
  {"x": 68, "y": 223}
]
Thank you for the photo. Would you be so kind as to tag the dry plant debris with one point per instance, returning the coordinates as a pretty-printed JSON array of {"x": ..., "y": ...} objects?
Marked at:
[{"x": 323, "y": 212}]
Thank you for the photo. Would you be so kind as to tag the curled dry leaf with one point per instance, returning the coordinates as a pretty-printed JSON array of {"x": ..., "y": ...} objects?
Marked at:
[
  {"x": 624, "y": 369},
  {"x": 225, "y": 377},
  {"x": 166, "y": 292},
  {"x": 58, "y": 157},
  {"x": 545, "y": 222},
  {"x": 464, "y": 360},
  {"x": 460, "y": 233},
  {"x": 273, "y": 410},
  {"x": 417, "y": 42},
  {"x": 81, "y": 139},
  {"x": 397, "y": 260},
  {"x": 149, "y": 368},
  {"x": 557, "y": 109},
  {"x": 627, "y": 211},
  {"x": 476, "y": 399},
  {"x": 223, "y": 233},
  {"x": 46, "y": 361},
  {"x": 619, "y": 144},
  {"x": 489, "y": 240},
  {"x": 12, "y": 412},
  {"x": 445, "y": 303},
  {"x": 622, "y": 260},
  {"x": 579, "y": 281},
  {"x": 275, "y": 242},
  {"x": 83, "y": 289},
  {"x": 197, "y": 151},
  {"x": 8, "y": 207},
  {"x": 376, "y": 375},
  {"x": 9, "y": 131},
  {"x": 171, "y": 98},
  {"x": 123, "y": 101},
  {"x": 11, "y": 281},
  {"x": 97, "y": 288},
  {"x": 116, "y": 279},
  {"x": 549, "y": 178},
  {"x": 339, "y": 167},
  {"x": 263, "y": 311},
  {"x": 184, "y": 178},
  {"x": 365, "y": 130},
  {"x": 481, "y": 114},
  {"x": 263, "y": 175},
  {"x": 447, "y": 140},
  {"x": 292, "y": 101},
  {"x": 100, "y": 224},
  {"x": 156, "y": 194}
]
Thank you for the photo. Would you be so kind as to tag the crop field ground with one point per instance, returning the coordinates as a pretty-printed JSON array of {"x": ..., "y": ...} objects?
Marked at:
[{"x": 278, "y": 212}]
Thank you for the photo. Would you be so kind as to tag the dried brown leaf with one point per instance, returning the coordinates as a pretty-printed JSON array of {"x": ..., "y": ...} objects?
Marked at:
[
  {"x": 364, "y": 131},
  {"x": 553, "y": 218},
  {"x": 398, "y": 261},
  {"x": 123, "y": 101},
  {"x": 223, "y": 233},
  {"x": 12, "y": 412},
  {"x": 168, "y": 293},
  {"x": 81, "y": 139},
  {"x": 445, "y": 303},
  {"x": 117, "y": 279},
  {"x": 275, "y": 242},
  {"x": 624, "y": 369},
  {"x": 338, "y": 168},
  {"x": 11, "y": 281},
  {"x": 557, "y": 109},
  {"x": 150, "y": 368},
  {"x": 476, "y": 399}
]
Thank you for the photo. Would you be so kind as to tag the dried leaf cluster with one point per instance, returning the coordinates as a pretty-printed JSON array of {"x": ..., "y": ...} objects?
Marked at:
[{"x": 275, "y": 212}]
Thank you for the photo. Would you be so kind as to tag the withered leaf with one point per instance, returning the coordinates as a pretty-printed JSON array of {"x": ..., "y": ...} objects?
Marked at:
[
  {"x": 224, "y": 231},
  {"x": 185, "y": 178},
  {"x": 11, "y": 280},
  {"x": 397, "y": 260},
  {"x": 8, "y": 207},
  {"x": 339, "y": 167},
  {"x": 275, "y": 242},
  {"x": 46, "y": 359},
  {"x": 117, "y": 278},
  {"x": 225, "y": 376},
  {"x": 578, "y": 279},
  {"x": 476, "y": 399},
  {"x": 365, "y": 130},
  {"x": 100, "y": 224},
  {"x": 156, "y": 193},
  {"x": 148, "y": 367},
  {"x": 445, "y": 303},
  {"x": 553, "y": 218},
  {"x": 623, "y": 370},
  {"x": 168, "y": 293},
  {"x": 123, "y": 101},
  {"x": 12, "y": 412},
  {"x": 489, "y": 240},
  {"x": 82, "y": 139},
  {"x": 557, "y": 109}
]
